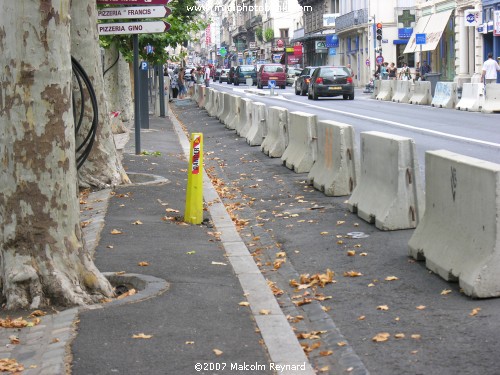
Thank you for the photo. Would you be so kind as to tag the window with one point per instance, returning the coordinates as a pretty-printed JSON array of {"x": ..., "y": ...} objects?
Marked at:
[
  {"x": 408, "y": 58},
  {"x": 284, "y": 33},
  {"x": 334, "y": 6},
  {"x": 283, "y": 5}
]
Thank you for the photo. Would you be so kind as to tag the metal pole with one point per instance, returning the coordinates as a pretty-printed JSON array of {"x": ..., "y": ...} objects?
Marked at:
[
  {"x": 137, "y": 106},
  {"x": 162, "y": 90}
]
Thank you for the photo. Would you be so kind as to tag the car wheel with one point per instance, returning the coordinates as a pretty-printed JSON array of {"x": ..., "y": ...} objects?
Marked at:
[
  {"x": 345, "y": 96},
  {"x": 237, "y": 83},
  {"x": 309, "y": 95},
  {"x": 351, "y": 96},
  {"x": 297, "y": 92},
  {"x": 314, "y": 95},
  {"x": 303, "y": 91},
  {"x": 283, "y": 87}
]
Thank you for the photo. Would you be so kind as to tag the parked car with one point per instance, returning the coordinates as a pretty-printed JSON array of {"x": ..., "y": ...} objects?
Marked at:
[
  {"x": 243, "y": 72},
  {"x": 223, "y": 75},
  {"x": 291, "y": 75},
  {"x": 217, "y": 74},
  {"x": 269, "y": 72},
  {"x": 230, "y": 75},
  {"x": 302, "y": 81},
  {"x": 331, "y": 81}
]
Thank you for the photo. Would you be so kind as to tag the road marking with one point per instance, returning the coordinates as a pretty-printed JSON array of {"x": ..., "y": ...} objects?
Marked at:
[{"x": 401, "y": 125}]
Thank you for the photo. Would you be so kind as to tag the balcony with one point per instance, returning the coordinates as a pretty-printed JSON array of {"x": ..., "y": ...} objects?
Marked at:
[
  {"x": 254, "y": 21},
  {"x": 356, "y": 18}
]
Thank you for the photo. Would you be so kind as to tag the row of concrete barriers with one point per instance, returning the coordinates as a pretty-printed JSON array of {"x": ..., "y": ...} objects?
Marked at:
[
  {"x": 457, "y": 234},
  {"x": 476, "y": 97}
]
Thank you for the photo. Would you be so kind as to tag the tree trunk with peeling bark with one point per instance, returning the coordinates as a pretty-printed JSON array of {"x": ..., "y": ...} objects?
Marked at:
[
  {"x": 103, "y": 167},
  {"x": 42, "y": 260}
]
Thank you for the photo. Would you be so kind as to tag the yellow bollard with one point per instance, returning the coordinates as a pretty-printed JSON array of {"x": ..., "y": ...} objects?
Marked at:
[{"x": 194, "y": 192}]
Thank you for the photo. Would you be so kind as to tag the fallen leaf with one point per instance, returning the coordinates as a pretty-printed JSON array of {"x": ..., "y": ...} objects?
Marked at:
[
  {"x": 326, "y": 353},
  {"x": 137, "y": 222},
  {"x": 171, "y": 210},
  {"x": 391, "y": 278},
  {"x": 116, "y": 231},
  {"x": 324, "y": 233},
  {"x": 143, "y": 264},
  {"x": 381, "y": 337},
  {"x": 340, "y": 222},
  {"x": 399, "y": 335},
  {"x": 109, "y": 246},
  {"x": 324, "y": 369},
  {"x": 120, "y": 273},
  {"x": 218, "y": 352},
  {"x": 341, "y": 344},
  {"x": 371, "y": 285},
  {"x": 363, "y": 254},
  {"x": 219, "y": 264},
  {"x": 421, "y": 307},
  {"x": 351, "y": 253},
  {"x": 383, "y": 307},
  {"x": 475, "y": 311},
  {"x": 352, "y": 274},
  {"x": 340, "y": 242},
  {"x": 191, "y": 252},
  {"x": 416, "y": 336},
  {"x": 10, "y": 365},
  {"x": 244, "y": 303},
  {"x": 14, "y": 339},
  {"x": 281, "y": 254},
  {"x": 142, "y": 336},
  {"x": 264, "y": 312},
  {"x": 189, "y": 342},
  {"x": 362, "y": 317},
  {"x": 37, "y": 313},
  {"x": 445, "y": 292},
  {"x": 55, "y": 340}
]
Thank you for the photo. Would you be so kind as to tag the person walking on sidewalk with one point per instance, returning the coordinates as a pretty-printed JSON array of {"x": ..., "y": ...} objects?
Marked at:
[
  {"x": 182, "y": 84},
  {"x": 490, "y": 69},
  {"x": 207, "y": 76}
]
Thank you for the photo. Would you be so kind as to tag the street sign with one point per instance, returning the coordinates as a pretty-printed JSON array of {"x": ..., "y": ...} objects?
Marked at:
[
  {"x": 223, "y": 51},
  {"x": 144, "y": 65},
  {"x": 271, "y": 83},
  {"x": 332, "y": 51},
  {"x": 133, "y": 12},
  {"x": 420, "y": 38},
  {"x": 380, "y": 59},
  {"x": 133, "y": 28},
  {"x": 133, "y": 2},
  {"x": 367, "y": 62}
]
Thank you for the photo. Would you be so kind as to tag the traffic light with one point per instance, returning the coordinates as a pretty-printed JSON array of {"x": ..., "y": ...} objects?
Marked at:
[{"x": 379, "y": 31}]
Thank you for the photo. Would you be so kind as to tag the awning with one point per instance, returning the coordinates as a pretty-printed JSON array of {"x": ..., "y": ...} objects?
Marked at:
[
  {"x": 433, "y": 30},
  {"x": 419, "y": 29}
]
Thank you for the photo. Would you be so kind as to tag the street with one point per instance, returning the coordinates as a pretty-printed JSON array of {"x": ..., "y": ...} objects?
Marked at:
[{"x": 427, "y": 326}]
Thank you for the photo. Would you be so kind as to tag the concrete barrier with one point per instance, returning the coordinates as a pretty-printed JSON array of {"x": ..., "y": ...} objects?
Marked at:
[
  {"x": 245, "y": 122},
  {"x": 472, "y": 97},
  {"x": 255, "y": 134},
  {"x": 202, "y": 92},
  {"x": 386, "y": 90},
  {"x": 220, "y": 104},
  {"x": 376, "y": 88},
  {"x": 389, "y": 190},
  {"x": 276, "y": 138},
  {"x": 195, "y": 93},
  {"x": 334, "y": 171},
  {"x": 226, "y": 106},
  {"x": 402, "y": 92},
  {"x": 459, "y": 234},
  {"x": 300, "y": 153},
  {"x": 492, "y": 98},
  {"x": 421, "y": 93},
  {"x": 208, "y": 99},
  {"x": 214, "y": 106},
  {"x": 445, "y": 95},
  {"x": 232, "y": 118}
]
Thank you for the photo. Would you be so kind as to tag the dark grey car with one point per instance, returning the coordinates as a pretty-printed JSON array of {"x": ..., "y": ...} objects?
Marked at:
[
  {"x": 331, "y": 81},
  {"x": 302, "y": 81}
]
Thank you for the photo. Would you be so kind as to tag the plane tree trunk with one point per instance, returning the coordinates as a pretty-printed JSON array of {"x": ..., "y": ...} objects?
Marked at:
[{"x": 42, "y": 260}]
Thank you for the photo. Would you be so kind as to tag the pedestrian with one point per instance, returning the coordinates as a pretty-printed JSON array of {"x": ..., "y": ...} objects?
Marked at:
[
  {"x": 207, "y": 76},
  {"x": 383, "y": 71},
  {"x": 377, "y": 72},
  {"x": 351, "y": 72},
  {"x": 425, "y": 68},
  {"x": 404, "y": 73},
  {"x": 392, "y": 71},
  {"x": 417, "y": 71},
  {"x": 174, "y": 83},
  {"x": 182, "y": 84},
  {"x": 490, "y": 69}
]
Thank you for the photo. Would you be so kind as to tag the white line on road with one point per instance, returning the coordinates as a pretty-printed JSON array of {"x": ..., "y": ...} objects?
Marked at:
[{"x": 400, "y": 125}]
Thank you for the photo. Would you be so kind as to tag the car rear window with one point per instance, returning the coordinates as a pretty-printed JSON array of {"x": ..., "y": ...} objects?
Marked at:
[
  {"x": 273, "y": 69},
  {"x": 332, "y": 71},
  {"x": 247, "y": 68}
]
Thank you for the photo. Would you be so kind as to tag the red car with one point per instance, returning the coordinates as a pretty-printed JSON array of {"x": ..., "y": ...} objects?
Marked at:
[{"x": 271, "y": 72}]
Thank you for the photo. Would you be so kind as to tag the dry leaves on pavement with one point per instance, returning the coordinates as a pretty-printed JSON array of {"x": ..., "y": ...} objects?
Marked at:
[
  {"x": 141, "y": 336},
  {"x": 11, "y": 366},
  {"x": 381, "y": 337}
]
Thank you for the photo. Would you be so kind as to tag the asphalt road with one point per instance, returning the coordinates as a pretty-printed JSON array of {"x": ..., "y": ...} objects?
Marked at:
[
  {"x": 469, "y": 133},
  {"x": 431, "y": 325}
]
